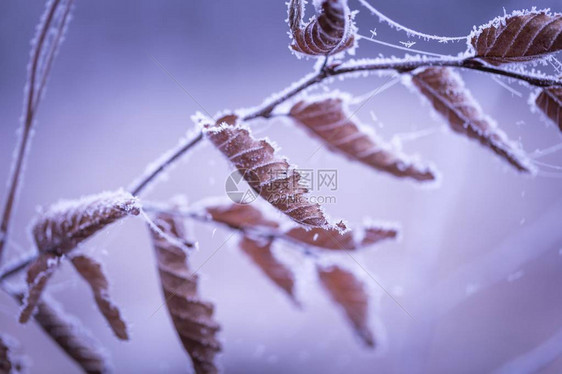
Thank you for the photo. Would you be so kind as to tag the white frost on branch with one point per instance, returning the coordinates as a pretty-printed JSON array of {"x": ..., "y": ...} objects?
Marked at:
[
  {"x": 403, "y": 48},
  {"x": 152, "y": 167},
  {"x": 410, "y": 32}
]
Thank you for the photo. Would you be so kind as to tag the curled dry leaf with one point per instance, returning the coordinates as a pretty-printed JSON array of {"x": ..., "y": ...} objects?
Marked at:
[
  {"x": 549, "y": 102},
  {"x": 192, "y": 317},
  {"x": 38, "y": 274},
  {"x": 296, "y": 12},
  {"x": 72, "y": 337},
  {"x": 329, "y": 120},
  {"x": 64, "y": 225},
  {"x": 446, "y": 91},
  {"x": 348, "y": 292},
  {"x": 269, "y": 176},
  {"x": 519, "y": 37},
  {"x": 259, "y": 250},
  {"x": 329, "y": 32},
  {"x": 349, "y": 240},
  {"x": 92, "y": 272}
]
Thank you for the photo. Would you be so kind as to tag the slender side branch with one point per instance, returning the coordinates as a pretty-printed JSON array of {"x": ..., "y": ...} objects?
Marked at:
[
  {"x": 15, "y": 267},
  {"x": 402, "y": 66},
  {"x": 265, "y": 111},
  {"x": 469, "y": 63},
  {"x": 36, "y": 83},
  {"x": 164, "y": 164}
]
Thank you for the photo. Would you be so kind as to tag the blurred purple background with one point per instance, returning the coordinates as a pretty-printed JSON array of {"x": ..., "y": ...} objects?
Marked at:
[{"x": 479, "y": 265}]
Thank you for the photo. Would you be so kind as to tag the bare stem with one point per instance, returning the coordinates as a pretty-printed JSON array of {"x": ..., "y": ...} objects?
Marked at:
[
  {"x": 468, "y": 63},
  {"x": 265, "y": 111},
  {"x": 16, "y": 267},
  {"x": 31, "y": 104},
  {"x": 145, "y": 181},
  {"x": 402, "y": 66}
]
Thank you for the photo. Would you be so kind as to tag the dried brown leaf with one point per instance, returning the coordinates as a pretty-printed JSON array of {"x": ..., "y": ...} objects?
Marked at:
[
  {"x": 72, "y": 337},
  {"x": 92, "y": 272},
  {"x": 239, "y": 216},
  {"x": 5, "y": 359},
  {"x": 269, "y": 176},
  {"x": 348, "y": 292},
  {"x": 38, "y": 274},
  {"x": 260, "y": 253},
  {"x": 518, "y": 37},
  {"x": 549, "y": 102},
  {"x": 329, "y": 120},
  {"x": 9, "y": 363},
  {"x": 334, "y": 239},
  {"x": 296, "y": 12},
  {"x": 446, "y": 91},
  {"x": 192, "y": 317},
  {"x": 329, "y": 32},
  {"x": 66, "y": 224},
  {"x": 244, "y": 217}
]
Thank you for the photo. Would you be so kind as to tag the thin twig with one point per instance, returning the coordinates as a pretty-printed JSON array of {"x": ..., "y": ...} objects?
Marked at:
[
  {"x": 402, "y": 66},
  {"x": 14, "y": 268},
  {"x": 265, "y": 111},
  {"x": 145, "y": 181},
  {"x": 468, "y": 63},
  {"x": 31, "y": 103}
]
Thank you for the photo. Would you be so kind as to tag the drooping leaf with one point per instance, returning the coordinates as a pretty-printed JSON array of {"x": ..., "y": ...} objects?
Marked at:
[
  {"x": 38, "y": 274},
  {"x": 62, "y": 227},
  {"x": 9, "y": 363},
  {"x": 349, "y": 293},
  {"x": 519, "y": 37},
  {"x": 269, "y": 176},
  {"x": 330, "y": 121},
  {"x": 335, "y": 240},
  {"x": 329, "y": 32},
  {"x": 192, "y": 317},
  {"x": 446, "y": 91},
  {"x": 244, "y": 217},
  {"x": 260, "y": 253},
  {"x": 66, "y": 224},
  {"x": 72, "y": 337},
  {"x": 239, "y": 216},
  {"x": 549, "y": 102},
  {"x": 92, "y": 272}
]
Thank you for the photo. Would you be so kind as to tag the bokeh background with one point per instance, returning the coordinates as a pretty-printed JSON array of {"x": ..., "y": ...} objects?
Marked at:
[{"x": 480, "y": 260}]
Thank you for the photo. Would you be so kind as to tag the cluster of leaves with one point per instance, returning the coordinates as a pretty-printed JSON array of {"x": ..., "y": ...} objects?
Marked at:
[{"x": 60, "y": 230}]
